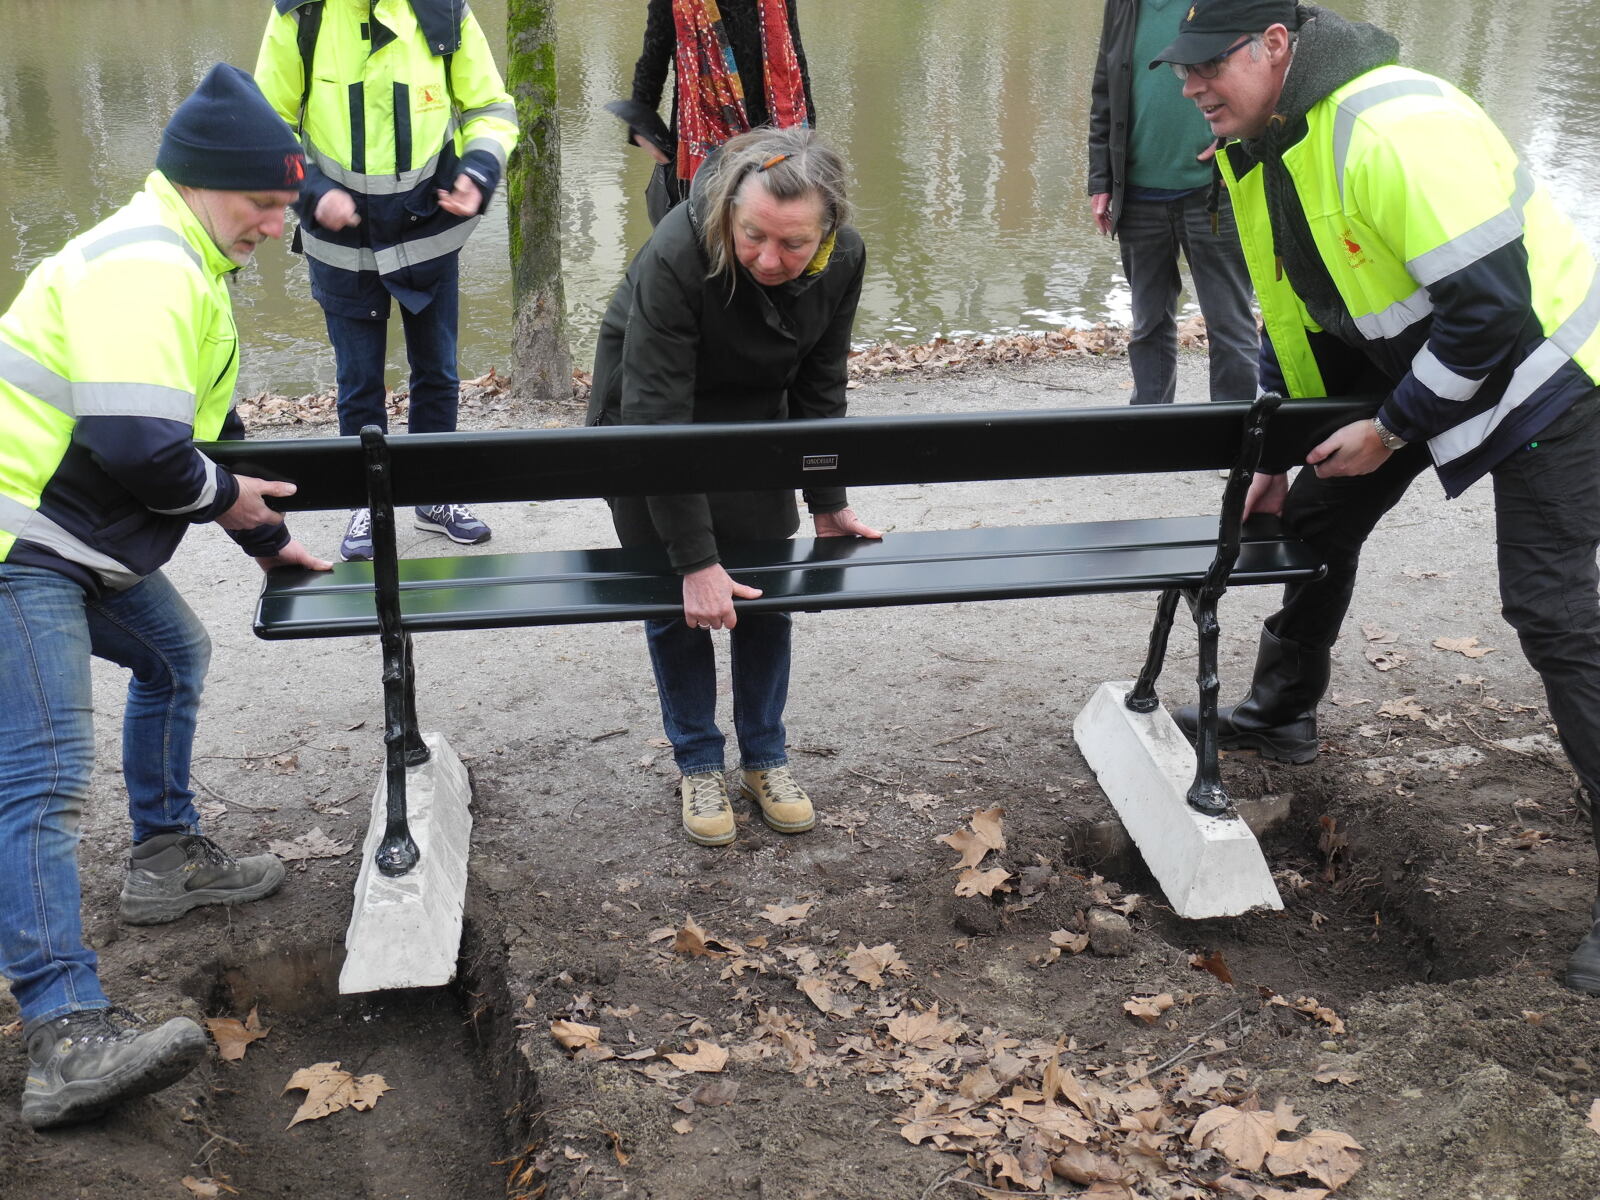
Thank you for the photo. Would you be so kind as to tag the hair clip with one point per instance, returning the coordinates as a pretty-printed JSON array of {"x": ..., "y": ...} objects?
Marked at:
[{"x": 771, "y": 162}]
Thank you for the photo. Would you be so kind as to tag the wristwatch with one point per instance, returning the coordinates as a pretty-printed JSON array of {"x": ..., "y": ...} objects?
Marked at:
[{"x": 1390, "y": 440}]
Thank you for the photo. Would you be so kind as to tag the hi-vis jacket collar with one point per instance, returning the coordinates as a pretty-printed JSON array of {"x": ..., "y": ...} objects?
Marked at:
[{"x": 440, "y": 20}]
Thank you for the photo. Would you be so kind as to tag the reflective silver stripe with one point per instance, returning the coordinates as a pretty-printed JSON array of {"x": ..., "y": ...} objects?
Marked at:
[
  {"x": 29, "y": 525},
  {"x": 1535, "y": 371},
  {"x": 1352, "y": 106},
  {"x": 492, "y": 146},
  {"x": 1459, "y": 252},
  {"x": 1440, "y": 379},
  {"x": 426, "y": 249},
  {"x": 505, "y": 110},
  {"x": 1397, "y": 318},
  {"x": 208, "y": 493},
  {"x": 373, "y": 185},
  {"x": 346, "y": 258},
  {"x": 133, "y": 400},
  {"x": 141, "y": 233},
  {"x": 28, "y": 374}
]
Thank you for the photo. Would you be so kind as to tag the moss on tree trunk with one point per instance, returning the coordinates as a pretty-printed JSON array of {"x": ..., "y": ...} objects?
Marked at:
[{"x": 541, "y": 363}]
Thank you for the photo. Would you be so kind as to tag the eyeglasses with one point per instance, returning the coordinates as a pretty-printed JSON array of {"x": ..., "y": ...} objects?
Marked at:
[{"x": 1212, "y": 66}]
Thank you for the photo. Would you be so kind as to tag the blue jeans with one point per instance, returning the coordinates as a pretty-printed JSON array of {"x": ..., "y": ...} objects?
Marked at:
[
  {"x": 1151, "y": 236},
  {"x": 685, "y": 665},
  {"x": 48, "y": 630},
  {"x": 359, "y": 348}
]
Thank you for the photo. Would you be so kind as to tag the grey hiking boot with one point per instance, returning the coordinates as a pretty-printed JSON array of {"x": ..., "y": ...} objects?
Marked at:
[
  {"x": 82, "y": 1063},
  {"x": 1583, "y": 968},
  {"x": 173, "y": 872}
]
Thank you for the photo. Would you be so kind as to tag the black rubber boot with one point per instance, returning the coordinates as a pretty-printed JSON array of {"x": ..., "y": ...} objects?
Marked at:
[
  {"x": 1278, "y": 719},
  {"x": 1583, "y": 968}
]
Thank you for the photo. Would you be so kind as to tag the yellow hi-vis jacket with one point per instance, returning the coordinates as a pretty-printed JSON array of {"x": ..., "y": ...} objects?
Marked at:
[
  {"x": 404, "y": 97},
  {"x": 1460, "y": 281},
  {"x": 119, "y": 352}
]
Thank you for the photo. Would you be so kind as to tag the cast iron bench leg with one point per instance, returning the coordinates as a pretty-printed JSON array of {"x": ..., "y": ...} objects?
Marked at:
[
  {"x": 1143, "y": 698},
  {"x": 397, "y": 853}
]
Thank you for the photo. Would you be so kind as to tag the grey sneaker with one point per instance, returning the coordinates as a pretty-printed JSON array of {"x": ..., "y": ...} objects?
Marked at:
[
  {"x": 173, "y": 872},
  {"x": 356, "y": 545},
  {"x": 82, "y": 1063},
  {"x": 455, "y": 521}
]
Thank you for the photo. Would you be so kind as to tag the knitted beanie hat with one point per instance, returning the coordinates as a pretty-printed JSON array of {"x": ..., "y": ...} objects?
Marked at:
[{"x": 225, "y": 136}]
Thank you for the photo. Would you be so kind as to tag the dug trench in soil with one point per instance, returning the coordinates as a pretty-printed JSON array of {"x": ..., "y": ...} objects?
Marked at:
[{"x": 453, "y": 1111}]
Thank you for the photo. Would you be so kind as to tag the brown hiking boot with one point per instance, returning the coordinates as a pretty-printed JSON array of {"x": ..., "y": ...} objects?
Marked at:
[
  {"x": 707, "y": 811},
  {"x": 783, "y": 802}
]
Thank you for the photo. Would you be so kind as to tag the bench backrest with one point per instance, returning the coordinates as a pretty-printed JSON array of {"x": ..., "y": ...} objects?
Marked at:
[{"x": 570, "y": 463}]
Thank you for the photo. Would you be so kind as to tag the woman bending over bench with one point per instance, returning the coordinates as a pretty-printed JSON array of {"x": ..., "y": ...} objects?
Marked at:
[{"x": 738, "y": 308}]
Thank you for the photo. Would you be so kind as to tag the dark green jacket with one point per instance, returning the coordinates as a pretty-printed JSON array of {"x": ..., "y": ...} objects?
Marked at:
[{"x": 676, "y": 347}]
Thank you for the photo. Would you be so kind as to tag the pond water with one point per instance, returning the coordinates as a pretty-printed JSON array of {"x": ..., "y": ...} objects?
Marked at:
[{"x": 963, "y": 123}]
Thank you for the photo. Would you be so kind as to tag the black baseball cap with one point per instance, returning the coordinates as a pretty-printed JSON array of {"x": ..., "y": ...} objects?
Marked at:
[{"x": 1211, "y": 26}]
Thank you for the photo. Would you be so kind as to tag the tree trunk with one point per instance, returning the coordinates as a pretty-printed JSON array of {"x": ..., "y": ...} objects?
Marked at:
[{"x": 541, "y": 365}]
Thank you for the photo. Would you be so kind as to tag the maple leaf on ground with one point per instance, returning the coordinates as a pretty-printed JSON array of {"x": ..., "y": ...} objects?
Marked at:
[
  {"x": 1332, "y": 1073},
  {"x": 925, "y": 1029},
  {"x": 328, "y": 1089},
  {"x": 11, "y": 1030},
  {"x": 1386, "y": 660},
  {"x": 982, "y": 836},
  {"x": 695, "y": 942},
  {"x": 573, "y": 1036},
  {"x": 1065, "y": 939},
  {"x": 794, "y": 914},
  {"x": 1080, "y": 1165},
  {"x": 1243, "y": 1136},
  {"x": 1378, "y": 634},
  {"x": 314, "y": 844},
  {"x": 1405, "y": 706},
  {"x": 1594, "y": 1116},
  {"x": 1467, "y": 646},
  {"x": 974, "y": 882},
  {"x": 706, "y": 1057},
  {"x": 1148, "y": 1008},
  {"x": 207, "y": 1188},
  {"x": 869, "y": 964},
  {"x": 1323, "y": 1154},
  {"x": 1213, "y": 962},
  {"x": 233, "y": 1036}
]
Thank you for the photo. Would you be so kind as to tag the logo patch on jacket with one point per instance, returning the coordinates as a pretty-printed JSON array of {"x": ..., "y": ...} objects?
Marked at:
[
  {"x": 430, "y": 98},
  {"x": 1352, "y": 249}
]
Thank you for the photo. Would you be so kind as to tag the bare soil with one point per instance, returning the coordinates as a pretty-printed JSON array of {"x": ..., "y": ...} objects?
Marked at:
[{"x": 1434, "y": 865}]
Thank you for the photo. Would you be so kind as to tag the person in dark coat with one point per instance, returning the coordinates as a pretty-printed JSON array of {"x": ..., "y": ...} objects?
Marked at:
[
  {"x": 738, "y": 308},
  {"x": 762, "y": 39}
]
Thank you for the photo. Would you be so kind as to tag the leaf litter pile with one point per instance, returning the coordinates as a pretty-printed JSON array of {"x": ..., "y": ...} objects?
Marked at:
[{"x": 1024, "y": 1117}]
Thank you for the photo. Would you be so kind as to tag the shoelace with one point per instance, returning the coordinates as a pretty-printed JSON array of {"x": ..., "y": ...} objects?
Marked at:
[
  {"x": 456, "y": 512},
  {"x": 212, "y": 853},
  {"x": 706, "y": 799},
  {"x": 782, "y": 787},
  {"x": 360, "y": 523},
  {"x": 99, "y": 1025}
]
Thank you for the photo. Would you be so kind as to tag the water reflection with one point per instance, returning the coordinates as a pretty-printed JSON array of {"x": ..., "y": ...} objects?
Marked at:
[{"x": 964, "y": 124}]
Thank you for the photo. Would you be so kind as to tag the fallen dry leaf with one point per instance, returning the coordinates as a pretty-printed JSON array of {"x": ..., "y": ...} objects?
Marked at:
[
  {"x": 870, "y": 964},
  {"x": 1379, "y": 635},
  {"x": 1323, "y": 1154},
  {"x": 1405, "y": 706},
  {"x": 572, "y": 1036},
  {"x": 924, "y": 1029},
  {"x": 1467, "y": 646},
  {"x": 983, "y": 835},
  {"x": 1073, "y": 943},
  {"x": 695, "y": 942},
  {"x": 1594, "y": 1116},
  {"x": 974, "y": 882},
  {"x": 1386, "y": 660},
  {"x": 1332, "y": 1073},
  {"x": 1243, "y": 1136},
  {"x": 314, "y": 844},
  {"x": 11, "y": 1030},
  {"x": 233, "y": 1035},
  {"x": 1148, "y": 1008},
  {"x": 794, "y": 914},
  {"x": 1214, "y": 963},
  {"x": 706, "y": 1057},
  {"x": 207, "y": 1188},
  {"x": 328, "y": 1089},
  {"x": 683, "y": 1125}
]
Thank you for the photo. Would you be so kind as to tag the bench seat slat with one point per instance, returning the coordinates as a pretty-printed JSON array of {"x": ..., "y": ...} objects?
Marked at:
[{"x": 485, "y": 591}]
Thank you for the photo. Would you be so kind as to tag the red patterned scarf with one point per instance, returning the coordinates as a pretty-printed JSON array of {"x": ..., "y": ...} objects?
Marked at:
[{"x": 710, "y": 93}]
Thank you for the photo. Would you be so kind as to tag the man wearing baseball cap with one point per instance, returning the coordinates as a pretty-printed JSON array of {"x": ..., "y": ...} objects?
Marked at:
[
  {"x": 1399, "y": 245},
  {"x": 116, "y": 357}
]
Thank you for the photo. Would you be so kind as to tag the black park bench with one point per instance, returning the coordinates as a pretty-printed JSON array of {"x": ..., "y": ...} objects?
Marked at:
[{"x": 1191, "y": 558}]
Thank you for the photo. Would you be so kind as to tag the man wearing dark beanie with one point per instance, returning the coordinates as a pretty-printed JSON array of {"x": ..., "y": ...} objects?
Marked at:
[{"x": 118, "y": 354}]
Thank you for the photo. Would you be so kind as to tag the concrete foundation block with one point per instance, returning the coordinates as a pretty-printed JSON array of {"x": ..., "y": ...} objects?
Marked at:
[
  {"x": 406, "y": 931},
  {"x": 1207, "y": 866}
]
